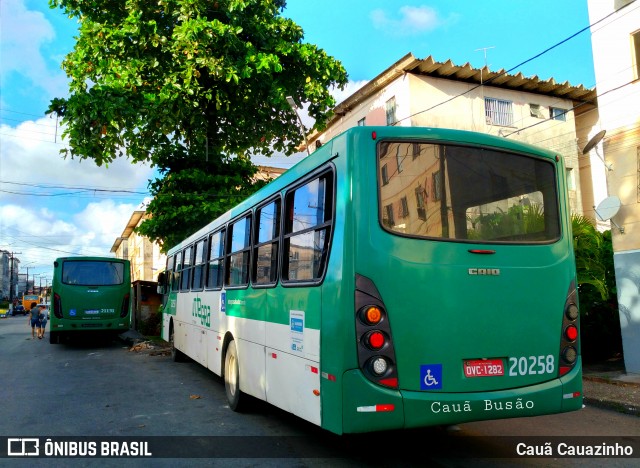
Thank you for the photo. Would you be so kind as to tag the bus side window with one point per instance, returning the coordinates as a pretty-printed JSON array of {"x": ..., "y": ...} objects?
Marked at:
[
  {"x": 168, "y": 276},
  {"x": 187, "y": 262},
  {"x": 216, "y": 260},
  {"x": 265, "y": 254},
  {"x": 238, "y": 250},
  {"x": 199, "y": 265},
  {"x": 175, "y": 283},
  {"x": 306, "y": 236}
]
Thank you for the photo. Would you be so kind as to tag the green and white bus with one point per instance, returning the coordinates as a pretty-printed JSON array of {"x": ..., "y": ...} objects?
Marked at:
[
  {"x": 396, "y": 278},
  {"x": 90, "y": 295}
]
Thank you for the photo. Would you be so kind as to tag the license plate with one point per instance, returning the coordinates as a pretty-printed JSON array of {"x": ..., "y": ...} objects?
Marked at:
[
  {"x": 483, "y": 368},
  {"x": 92, "y": 312}
]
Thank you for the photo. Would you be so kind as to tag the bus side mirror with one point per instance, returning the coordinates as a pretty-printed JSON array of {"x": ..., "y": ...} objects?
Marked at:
[{"x": 161, "y": 281}]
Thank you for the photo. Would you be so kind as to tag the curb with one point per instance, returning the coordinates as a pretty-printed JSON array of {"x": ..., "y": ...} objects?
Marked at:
[
  {"x": 617, "y": 406},
  {"x": 610, "y": 381}
]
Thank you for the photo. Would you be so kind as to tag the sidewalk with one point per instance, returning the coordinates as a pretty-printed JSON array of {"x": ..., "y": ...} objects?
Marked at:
[{"x": 607, "y": 385}]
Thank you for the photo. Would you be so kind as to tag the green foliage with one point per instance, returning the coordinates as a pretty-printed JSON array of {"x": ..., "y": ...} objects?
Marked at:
[
  {"x": 600, "y": 321},
  {"x": 518, "y": 220},
  {"x": 190, "y": 198},
  {"x": 187, "y": 84}
]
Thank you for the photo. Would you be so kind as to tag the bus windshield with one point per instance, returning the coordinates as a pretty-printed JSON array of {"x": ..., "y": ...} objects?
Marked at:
[
  {"x": 92, "y": 273},
  {"x": 466, "y": 193}
]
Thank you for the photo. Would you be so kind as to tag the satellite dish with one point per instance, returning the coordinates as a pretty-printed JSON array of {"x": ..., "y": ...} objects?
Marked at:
[
  {"x": 607, "y": 208},
  {"x": 597, "y": 138}
]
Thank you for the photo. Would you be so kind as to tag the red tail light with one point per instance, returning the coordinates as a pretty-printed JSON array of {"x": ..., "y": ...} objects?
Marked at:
[
  {"x": 125, "y": 306},
  {"x": 376, "y": 354},
  {"x": 570, "y": 335},
  {"x": 57, "y": 306},
  {"x": 375, "y": 339}
]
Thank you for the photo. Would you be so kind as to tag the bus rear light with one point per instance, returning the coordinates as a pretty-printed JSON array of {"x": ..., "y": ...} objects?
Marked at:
[
  {"x": 571, "y": 333},
  {"x": 376, "y": 353},
  {"x": 379, "y": 365},
  {"x": 392, "y": 382},
  {"x": 371, "y": 315},
  {"x": 125, "y": 306},
  {"x": 569, "y": 355},
  {"x": 57, "y": 305},
  {"x": 375, "y": 339},
  {"x": 572, "y": 312}
]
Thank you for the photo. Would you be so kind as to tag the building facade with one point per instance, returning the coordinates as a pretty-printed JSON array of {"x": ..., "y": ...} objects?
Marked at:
[
  {"x": 145, "y": 256},
  {"x": 424, "y": 92},
  {"x": 615, "y": 158}
]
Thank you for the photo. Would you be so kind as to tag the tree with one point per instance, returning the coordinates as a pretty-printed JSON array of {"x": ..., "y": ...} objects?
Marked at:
[
  {"x": 195, "y": 87},
  {"x": 599, "y": 317}
]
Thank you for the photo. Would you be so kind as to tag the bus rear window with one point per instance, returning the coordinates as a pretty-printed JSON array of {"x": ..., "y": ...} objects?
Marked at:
[
  {"x": 466, "y": 193},
  {"x": 92, "y": 273}
]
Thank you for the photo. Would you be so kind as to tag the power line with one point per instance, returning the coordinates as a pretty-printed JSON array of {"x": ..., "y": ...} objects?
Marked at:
[{"x": 506, "y": 71}]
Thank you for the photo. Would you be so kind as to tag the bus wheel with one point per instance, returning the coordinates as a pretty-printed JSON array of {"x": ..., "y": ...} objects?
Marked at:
[
  {"x": 176, "y": 354},
  {"x": 232, "y": 379},
  {"x": 54, "y": 337}
]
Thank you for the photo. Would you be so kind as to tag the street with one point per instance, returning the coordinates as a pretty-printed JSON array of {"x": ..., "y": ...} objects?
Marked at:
[{"x": 105, "y": 390}]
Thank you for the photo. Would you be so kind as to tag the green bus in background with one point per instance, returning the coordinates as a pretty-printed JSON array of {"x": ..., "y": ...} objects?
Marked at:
[
  {"x": 398, "y": 277},
  {"x": 89, "y": 295}
]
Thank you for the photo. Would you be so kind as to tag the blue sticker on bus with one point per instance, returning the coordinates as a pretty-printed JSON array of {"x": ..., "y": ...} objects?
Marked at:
[
  {"x": 297, "y": 325},
  {"x": 223, "y": 302},
  {"x": 430, "y": 376},
  {"x": 72, "y": 312}
]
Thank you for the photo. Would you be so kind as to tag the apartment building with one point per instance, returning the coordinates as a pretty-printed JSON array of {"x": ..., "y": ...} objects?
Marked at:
[
  {"x": 424, "y": 92},
  {"x": 614, "y": 162}
]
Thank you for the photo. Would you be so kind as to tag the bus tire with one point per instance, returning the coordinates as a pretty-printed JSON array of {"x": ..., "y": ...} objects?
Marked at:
[
  {"x": 235, "y": 397},
  {"x": 176, "y": 354},
  {"x": 54, "y": 337}
]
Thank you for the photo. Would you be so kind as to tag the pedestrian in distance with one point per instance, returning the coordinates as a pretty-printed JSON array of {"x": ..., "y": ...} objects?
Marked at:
[
  {"x": 34, "y": 319},
  {"x": 43, "y": 322}
]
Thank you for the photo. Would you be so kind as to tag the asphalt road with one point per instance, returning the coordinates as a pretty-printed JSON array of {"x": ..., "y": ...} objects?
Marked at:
[{"x": 103, "y": 391}]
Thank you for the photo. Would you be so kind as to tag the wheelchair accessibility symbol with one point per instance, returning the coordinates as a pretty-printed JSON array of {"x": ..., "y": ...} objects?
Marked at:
[{"x": 431, "y": 376}]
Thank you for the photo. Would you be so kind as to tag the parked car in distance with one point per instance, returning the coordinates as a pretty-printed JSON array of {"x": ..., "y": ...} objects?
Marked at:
[{"x": 19, "y": 310}]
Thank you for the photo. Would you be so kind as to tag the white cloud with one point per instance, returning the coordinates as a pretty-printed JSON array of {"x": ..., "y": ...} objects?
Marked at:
[
  {"x": 24, "y": 32},
  {"x": 410, "y": 20},
  {"x": 42, "y": 222}
]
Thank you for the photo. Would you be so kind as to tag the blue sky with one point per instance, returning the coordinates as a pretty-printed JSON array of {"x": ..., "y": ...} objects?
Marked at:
[{"x": 46, "y": 207}]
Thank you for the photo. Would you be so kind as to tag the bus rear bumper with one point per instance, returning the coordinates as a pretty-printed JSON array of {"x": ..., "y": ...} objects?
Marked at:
[{"x": 368, "y": 407}]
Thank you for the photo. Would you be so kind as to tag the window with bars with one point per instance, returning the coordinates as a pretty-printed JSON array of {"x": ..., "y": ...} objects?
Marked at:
[
  {"x": 436, "y": 183},
  {"x": 391, "y": 111},
  {"x": 558, "y": 114},
  {"x": 498, "y": 112},
  {"x": 422, "y": 211},
  {"x": 384, "y": 172},
  {"x": 404, "y": 207}
]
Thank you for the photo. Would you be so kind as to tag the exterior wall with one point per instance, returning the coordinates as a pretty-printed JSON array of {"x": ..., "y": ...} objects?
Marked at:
[{"x": 619, "y": 107}]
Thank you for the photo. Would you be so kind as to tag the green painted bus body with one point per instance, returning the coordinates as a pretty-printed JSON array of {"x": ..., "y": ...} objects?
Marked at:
[
  {"x": 91, "y": 306},
  {"x": 440, "y": 314}
]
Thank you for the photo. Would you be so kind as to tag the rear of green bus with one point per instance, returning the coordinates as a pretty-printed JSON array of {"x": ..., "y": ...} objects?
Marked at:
[
  {"x": 90, "y": 295},
  {"x": 465, "y": 304}
]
